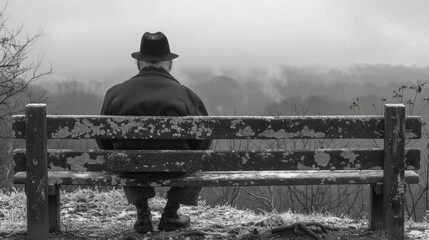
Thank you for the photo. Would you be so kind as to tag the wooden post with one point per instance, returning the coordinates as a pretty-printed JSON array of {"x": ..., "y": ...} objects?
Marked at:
[
  {"x": 376, "y": 206},
  {"x": 37, "y": 172},
  {"x": 54, "y": 208},
  {"x": 394, "y": 169}
]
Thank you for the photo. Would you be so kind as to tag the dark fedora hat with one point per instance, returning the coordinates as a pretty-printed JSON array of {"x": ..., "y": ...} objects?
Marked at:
[{"x": 154, "y": 47}]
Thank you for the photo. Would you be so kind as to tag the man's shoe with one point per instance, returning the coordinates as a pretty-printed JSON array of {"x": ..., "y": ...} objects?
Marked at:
[
  {"x": 143, "y": 223},
  {"x": 174, "y": 222}
]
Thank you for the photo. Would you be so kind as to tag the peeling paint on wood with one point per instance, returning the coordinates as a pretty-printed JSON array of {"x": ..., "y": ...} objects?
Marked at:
[
  {"x": 247, "y": 131},
  {"x": 78, "y": 163},
  {"x": 322, "y": 159},
  {"x": 350, "y": 155},
  {"x": 306, "y": 131},
  {"x": 161, "y": 160},
  {"x": 217, "y": 127}
]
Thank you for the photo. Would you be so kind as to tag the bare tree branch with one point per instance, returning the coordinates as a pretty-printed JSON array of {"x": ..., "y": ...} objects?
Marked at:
[{"x": 16, "y": 73}]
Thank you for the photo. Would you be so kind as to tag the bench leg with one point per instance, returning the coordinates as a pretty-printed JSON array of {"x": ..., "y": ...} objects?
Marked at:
[
  {"x": 394, "y": 170},
  {"x": 376, "y": 206},
  {"x": 54, "y": 208},
  {"x": 393, "y": 211},
  {"x": 37, "y": 172}
]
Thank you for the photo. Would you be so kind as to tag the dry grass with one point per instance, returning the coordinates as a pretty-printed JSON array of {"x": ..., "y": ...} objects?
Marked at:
[{"x": 94, "y": 214}]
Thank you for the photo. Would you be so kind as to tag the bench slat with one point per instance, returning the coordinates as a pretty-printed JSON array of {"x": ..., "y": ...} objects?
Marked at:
[
  {"x": 216, "y": 127},
  {"x": 175, "y": 160},
  {"x": 215, "y": 179}
]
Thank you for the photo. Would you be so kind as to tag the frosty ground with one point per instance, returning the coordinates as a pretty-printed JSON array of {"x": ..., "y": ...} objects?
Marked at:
[{"x": 93, "y": 214}]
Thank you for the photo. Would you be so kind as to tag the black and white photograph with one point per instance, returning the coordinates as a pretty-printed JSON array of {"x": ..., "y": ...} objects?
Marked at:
[{"x": 215, "y": 119}]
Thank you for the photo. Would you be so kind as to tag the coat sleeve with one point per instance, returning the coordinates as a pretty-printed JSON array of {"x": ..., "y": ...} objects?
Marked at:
[
  {"x": 105, "y": 110},
  {"x": 199, "y": 110}
]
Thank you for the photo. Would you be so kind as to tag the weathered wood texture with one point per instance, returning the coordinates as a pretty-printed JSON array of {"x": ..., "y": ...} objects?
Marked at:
[
  {"x": 182, "y": 161},
  {"x": 219, "y": 179},
  {"x": 37, "y": 181},
  {"x": 54, "y": 208},
  {"x": 375, "y": 217},
  {"x": 394, "y": 167},
  {"x": 256, "y": 127}
]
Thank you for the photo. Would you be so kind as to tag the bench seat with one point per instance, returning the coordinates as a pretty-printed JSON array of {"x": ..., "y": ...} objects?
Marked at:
[{"x": 234, "y": 178}]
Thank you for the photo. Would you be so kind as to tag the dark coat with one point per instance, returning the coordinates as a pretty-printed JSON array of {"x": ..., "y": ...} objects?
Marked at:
[{"x": 153, "y": 92}]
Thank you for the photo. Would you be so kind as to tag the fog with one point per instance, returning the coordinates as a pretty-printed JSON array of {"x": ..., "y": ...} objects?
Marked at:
[
  {"x": 93, "y": 40},
  {"x": 320, "y": 90}
]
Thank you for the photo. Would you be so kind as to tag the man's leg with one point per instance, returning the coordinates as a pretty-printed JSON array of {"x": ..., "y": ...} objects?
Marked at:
[
  {"x": 139, "y": 197},
  {"x": 170, "y": 219},
  {"x": 184, "y": 195}
]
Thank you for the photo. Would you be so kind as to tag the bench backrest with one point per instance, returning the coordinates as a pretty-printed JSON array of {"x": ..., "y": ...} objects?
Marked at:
[{"x": 394, "y": 123}]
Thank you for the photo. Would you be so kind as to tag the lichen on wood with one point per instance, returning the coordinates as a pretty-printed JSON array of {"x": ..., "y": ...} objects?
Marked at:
[
  {"x": 209, "y": 160},
  {"x": 217, "y": 127}
]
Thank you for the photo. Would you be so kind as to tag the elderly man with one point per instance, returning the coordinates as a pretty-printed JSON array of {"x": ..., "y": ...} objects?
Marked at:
[{"x": 155, "y": 92}]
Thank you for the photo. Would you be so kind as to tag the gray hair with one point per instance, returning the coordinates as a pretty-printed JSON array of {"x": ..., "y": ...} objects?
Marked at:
[{"x": 166, "y": 65}]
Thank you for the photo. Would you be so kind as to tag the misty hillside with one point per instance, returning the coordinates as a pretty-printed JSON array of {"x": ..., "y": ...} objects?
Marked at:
[{"x": 252, "y": 92}]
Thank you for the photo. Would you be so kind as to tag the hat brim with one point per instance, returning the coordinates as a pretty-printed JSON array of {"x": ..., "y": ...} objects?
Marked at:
[{"x": 151, "y": 58}]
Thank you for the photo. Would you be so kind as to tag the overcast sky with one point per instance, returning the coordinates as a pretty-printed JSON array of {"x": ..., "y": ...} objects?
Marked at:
[{"x": 94, "y": 39}]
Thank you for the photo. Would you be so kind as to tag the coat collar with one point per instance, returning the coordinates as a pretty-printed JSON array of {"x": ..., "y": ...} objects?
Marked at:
[{"x": 156, "y": 71}]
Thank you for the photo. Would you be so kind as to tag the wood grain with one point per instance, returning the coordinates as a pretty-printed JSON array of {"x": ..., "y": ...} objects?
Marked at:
[
  {"x": 183, "y": 161},
  {"x": 217, "y": 127},
  {"x": 394, "y": 167},
  {"x": 37, "y": 170},
  {"x": 220, "y": 179}
]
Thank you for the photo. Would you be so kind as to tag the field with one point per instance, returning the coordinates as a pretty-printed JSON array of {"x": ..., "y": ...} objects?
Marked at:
[{"x": 95, "y": 214}]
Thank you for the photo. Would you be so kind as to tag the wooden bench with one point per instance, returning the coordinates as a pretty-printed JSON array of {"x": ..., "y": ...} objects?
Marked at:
[{"x": 44, "y": 170}]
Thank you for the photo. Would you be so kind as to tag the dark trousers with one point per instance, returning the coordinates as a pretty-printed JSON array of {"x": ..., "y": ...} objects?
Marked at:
[{"x": 182, "y": 195}]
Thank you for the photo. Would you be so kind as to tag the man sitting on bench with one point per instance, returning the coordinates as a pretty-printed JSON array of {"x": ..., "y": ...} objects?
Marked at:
[{"x": 154, "y": 92}]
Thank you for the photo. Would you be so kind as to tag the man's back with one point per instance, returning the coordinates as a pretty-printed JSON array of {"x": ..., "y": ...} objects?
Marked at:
[{"x": 153, "y": 92}]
